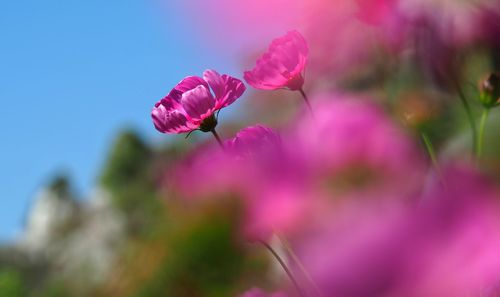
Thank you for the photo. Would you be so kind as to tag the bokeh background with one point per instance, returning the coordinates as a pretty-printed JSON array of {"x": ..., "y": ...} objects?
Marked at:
[{"x": 78, "y": 82}]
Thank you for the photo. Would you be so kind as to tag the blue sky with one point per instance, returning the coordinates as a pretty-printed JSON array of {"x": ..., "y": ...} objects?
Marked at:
[{"x": 72, "y": 74}]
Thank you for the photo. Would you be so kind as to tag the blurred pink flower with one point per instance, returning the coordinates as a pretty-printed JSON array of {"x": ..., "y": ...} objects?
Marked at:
[
  {"x": 340, "y": 45},
  {"x": 447, "y": 246},
  {"x": 191, "y": 104},
  {"x": 256, "y": 292},
  {"x": 375, "y": 11},
  {"x": 254, "y": 139},
  {"x": 351, "y": 140},
  {"x": 458, "y": 23},
  {"x": 259, "y": 171},
  {"x": 287, "y": 182},
  {"x": 282, "y": 66},
  {"x": 390, "y": 24},
  {"x": 248, "y": 149}
]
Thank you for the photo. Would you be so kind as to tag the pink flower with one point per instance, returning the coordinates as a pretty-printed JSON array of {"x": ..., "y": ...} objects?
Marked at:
[
  {"x": 457, "y": 23},
  {"x": 447, "y": 245},
  {"x": 282, "y": 66},
  {"x": 255, "y": 292},
  {"x": 191, "y": 104},
  {"x": 254, "y": 139},
  {"x": 259, "y": 171},
  {"x": 390, "y": 23},
  {"x": 247, "y": 150},
  {"x": 350, "y": 149},
  {"x": 352, "y": 144}
]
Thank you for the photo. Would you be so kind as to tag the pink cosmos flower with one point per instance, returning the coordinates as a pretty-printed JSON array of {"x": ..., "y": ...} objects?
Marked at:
[
  {"x": 258, "y": 170},
  {"x": 249, "y": 145},
  {"x": 349, "y": 149},
  {"x": 446, "y": 246},
  {"x": 387, "y": 18},
  {"x": 456, "y": 22},
  {"x": 254, "y": 139},
  {"x": 352, "y": 144},
  {"x": 282, "y": 66},
  {"x": 192, "y": 103}
]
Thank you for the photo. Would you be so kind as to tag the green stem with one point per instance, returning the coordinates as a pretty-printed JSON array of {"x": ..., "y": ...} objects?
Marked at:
[
  {"x": 306, "y": 99},
  {"x": 299, "y": 263},
  {"x": 217, "y": 138},
  {"x": 432, "y": 153},
  {"x": 285, "y": 268},
  {"x": 482, "y": 127},
  {"x": 470, "y": 117}
]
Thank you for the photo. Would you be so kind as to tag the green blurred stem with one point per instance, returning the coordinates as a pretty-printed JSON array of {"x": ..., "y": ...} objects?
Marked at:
[
  {"x": 432, "y": 153},
  {"x": 306, "y": 99},
  {"x": 299, "y": 263},
  {"x": 217, "y": 138},
  {"x": 482, "y": 127},
  {"x": 470, "y": 117},
  {"x": 285, "y": 268}
]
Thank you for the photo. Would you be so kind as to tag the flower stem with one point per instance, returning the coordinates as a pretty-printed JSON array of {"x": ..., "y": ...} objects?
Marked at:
[
  {"x": 470, "y": 117},
  {"x": 432, "y": 154},
  {"x": 299, "y": 263},
  {"x": 285, "y": 268},
  {"x": 306, "y": 100},
  {"x": 217, "y": 138},
  {"x": 482, "y": 127}
]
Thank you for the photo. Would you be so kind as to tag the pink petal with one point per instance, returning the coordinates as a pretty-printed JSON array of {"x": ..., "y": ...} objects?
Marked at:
[
  {"x": 170, "y": 121},
  {"x": 169, "y": 103},
  {"x": 300, "y": 42},
  {"x": 233, "y": 89},
  {"x": 186, "y": 84},
  {"x": 282, "y": 65},
  {"x": 198, "y": 103},
  {"x": 215, "y": 82},
  {"x": 226, "y": 88},
  {"x": 255, "y": 139}
]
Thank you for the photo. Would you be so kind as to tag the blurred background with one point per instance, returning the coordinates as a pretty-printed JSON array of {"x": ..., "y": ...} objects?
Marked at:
[
  {"x": 83, "y": 211},
  {"x": 81, "y": 161}
]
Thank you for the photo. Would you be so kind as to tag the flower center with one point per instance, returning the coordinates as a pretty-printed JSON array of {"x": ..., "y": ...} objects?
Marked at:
[{"x": 209, "y": 123}]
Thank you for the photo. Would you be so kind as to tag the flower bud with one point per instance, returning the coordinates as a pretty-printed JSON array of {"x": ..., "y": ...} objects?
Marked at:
[{"x": 489, "y": 89}]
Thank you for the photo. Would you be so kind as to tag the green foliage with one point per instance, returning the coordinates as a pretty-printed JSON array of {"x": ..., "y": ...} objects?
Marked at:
[
  {"x": 61, "y": 186},
  {"x": 54, "y": 290},
  {"x": 204, "y": 261},
  {"x": 11, "y": 284},
  {"x": 128, "y": 162},
  {"x": 127, "y": 175}
]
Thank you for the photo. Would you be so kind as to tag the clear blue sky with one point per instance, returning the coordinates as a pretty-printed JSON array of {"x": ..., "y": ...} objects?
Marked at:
[{"x": 72, "y": 73}]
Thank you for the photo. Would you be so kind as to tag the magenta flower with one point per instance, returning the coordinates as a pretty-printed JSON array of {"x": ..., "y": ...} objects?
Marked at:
[
  {"x": 254, "y": 139},
  {"x": 349, "y": 149},
  {"x": 353, "y": 142},
  {"x": 447, "y": 246},
  {"x": 249, "y": 145},
  {"x": 389, "y": 22},
  {"x": 192, "y": 104},
  {"x": 282, "y": 66},
  {"x": 267, "y": 180}
]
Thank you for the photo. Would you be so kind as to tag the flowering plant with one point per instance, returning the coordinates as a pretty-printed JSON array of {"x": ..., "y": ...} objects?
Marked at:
[{"x": 349, "y": 200}]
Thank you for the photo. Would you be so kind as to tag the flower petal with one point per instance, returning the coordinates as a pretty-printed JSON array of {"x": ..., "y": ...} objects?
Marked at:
[
  {"x": 170, "y": 121},
  {"x": 233, "y": 89},
  {"x": 215, "y": 81},
  {"x": 282, "y": 65},
  {"x": 189, "y": 83},
  {"x": 198, "y": 103},
  {"x": 226, "y": 88},
  {"x": 169, "y": 103}
]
